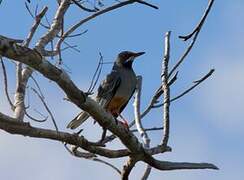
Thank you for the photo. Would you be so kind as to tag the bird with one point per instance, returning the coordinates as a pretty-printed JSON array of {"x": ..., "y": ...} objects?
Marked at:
[{"x": 115, "y": 90}]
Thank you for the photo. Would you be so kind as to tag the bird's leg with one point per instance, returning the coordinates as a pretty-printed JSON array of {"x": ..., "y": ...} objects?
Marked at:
[
  {"x": 124, "y": 121},
  {"x": 116, "y": 120},
  {"x": 103, "y": 134}
]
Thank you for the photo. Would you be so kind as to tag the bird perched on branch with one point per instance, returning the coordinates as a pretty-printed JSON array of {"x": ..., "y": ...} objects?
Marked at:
[{"x": 115, "y": 90}]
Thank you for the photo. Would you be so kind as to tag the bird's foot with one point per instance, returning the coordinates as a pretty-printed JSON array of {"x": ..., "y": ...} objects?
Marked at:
[{"x": 125, "y": 124}]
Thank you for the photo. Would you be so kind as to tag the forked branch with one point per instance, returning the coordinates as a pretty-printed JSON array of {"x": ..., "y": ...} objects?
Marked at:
[{"x": 199, "y": 25}]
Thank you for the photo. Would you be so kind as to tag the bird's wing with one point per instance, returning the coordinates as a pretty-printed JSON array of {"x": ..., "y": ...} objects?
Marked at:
[{"x": 108, "y": 88}]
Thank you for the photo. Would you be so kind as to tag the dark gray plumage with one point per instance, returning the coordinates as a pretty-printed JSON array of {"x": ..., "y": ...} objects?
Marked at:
[{"x": 116, "y": 89}]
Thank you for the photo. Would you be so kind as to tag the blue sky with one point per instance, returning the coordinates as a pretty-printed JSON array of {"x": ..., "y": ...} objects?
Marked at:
[{"x": 206, "y": 125}]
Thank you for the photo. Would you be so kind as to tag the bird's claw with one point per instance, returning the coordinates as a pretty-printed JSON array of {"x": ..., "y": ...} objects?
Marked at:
[{"x": 125, "y": 124}]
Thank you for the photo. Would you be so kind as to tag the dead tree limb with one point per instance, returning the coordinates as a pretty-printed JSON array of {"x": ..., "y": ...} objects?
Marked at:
[
  {"x": 140, "y": 128},
  {"x": 166, "y": 89},
  {"x": 199, "y": 25},
  {"x": 81, "y": 22},
  {"x": 127, "y": 168},
  {"x": 10, "y": 125},
  {"x": 22, "y": 75},
  {"x": 196, "y": 83},
  {"x": 5, "y": 80}
]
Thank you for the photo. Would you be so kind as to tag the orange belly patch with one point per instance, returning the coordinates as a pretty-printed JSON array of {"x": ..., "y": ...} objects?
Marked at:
[{"x": 115, "y": 105}]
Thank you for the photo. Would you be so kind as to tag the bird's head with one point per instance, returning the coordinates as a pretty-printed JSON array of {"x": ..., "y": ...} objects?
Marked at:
[{"x": 126, "y": 58}]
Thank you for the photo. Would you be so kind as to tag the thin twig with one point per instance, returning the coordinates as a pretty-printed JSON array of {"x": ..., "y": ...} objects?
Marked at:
[
  {"x": 32, "y": 15},
  {"x": 199, "y": 25},
  {"x": 189, "y": 89},
  {"x": 184, "y": 55},
  {"x": 35, "y": 119},
  {"x": 76, "y": 35},
  {"x": 90, "y": 156},
  {"x": 195, "y": 85},
  {"x": 85, "y": 8},
  {"x": 108, "y": 9},
  {"x": 108, "y": 164},
  {"x": 148, "y": 129},
  {"x": 147, "y": 4},
  {"x": 147, "y": 172},
  {"x": 195, "y": 35},
  {"x": 96, "y": 75},
  {"x": 166, "y": 89},
  {"x": 46, "y": 107},
  {"x": 37, "y": 85},
  {"x": 5, "y": 79},
  {"x": 29, "y": 11}
]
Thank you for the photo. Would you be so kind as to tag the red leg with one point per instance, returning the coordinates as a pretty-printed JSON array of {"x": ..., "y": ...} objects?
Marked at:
[{"x": 125, "y": 122}]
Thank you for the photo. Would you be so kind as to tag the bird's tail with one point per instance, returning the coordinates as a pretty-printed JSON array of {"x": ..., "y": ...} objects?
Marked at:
[
  {"x": 83, "y": 116},
  {"x": 78, "y": 120}
]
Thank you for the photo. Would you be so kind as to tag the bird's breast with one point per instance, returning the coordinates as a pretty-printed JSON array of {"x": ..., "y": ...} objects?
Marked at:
[
  {"x": 127, "y": 84},
  {"x": 116, "y": 104}
]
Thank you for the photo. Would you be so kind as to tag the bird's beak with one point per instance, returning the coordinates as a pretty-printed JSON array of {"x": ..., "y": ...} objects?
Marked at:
[{"x": 139, "y": 54}]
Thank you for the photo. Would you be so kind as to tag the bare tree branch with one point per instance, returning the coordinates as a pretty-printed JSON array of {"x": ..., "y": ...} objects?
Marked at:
[
  {"x": 108, "y": 164},
  {"x": 90, "y": 156},
  {"x": 147, "y": 172},
  {"x": 154, "y": 99},
  {"x": 137, "y": 102},
  {"x": 96, "y": 75},
  {"x": 198, "y": 27},
  {"x": 195, "y": 33},
  {"x": 19, "y": 97},
  {"x": 55, "y": 27},
  {"x": 127, "y": 168},
  {"x": 108, "y": 9},
  {"x": 38, "y": 19},
  {"x": 34, "y": 59},
  {"x": 5, "y": 80},
  {"x": 35, "y": 119},
  {"x": 198, "y": 82},
  {"x": 149, "y": 129},
  {"x": 166, "y": 165},
  {"x": 195, "y": 85},
  {"x": 22, "y": 75},
  {"x": 37, "y": 85},
  {"x": 10, "y": 125},
  {"x": 106, "y": 120},
  {"x": 85, "y": 8},
  {"x": 46, "y": 107},
  {"x": 147, "y": 4},
  {"x": 134, "y": 149},
  {"x": 166, "y": 89},
  {"x": 141, "y": 130}
]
